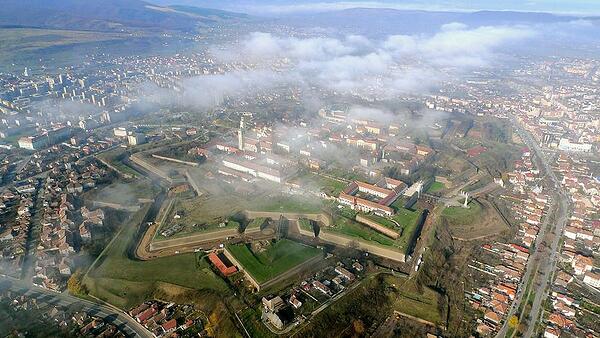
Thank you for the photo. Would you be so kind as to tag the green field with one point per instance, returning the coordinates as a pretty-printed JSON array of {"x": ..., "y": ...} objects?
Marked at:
[
  {"x": 375, "y": 298},
  {"x": 406, "y": 217},
  {"x": 289, "y": 204},
  {"x": 305, "y": 224},
  {"x": 349, "y": 227},
  {"x": 124, "y": 193},
  {"x": 125, "y": 282},
  {"x": 327, "y": 185},
  {"x": 256, "y": 223},
  {"x": 412, "y": 300},
  {"x": 386, "y": 222},
  {"x": 115, "y": 158},
  {"x": 352, "y": 228},
  {"x": 274, "y": 260},
  {"x": 220, "y": 201},
  {"x": 32, "y": 47},
  {"x": 461, "y": 216},
  {"x": 436, "y": 187},
  {"x": 399, "y": 203}
]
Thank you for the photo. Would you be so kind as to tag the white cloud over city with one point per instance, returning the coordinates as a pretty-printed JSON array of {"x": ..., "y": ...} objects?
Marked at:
[{"x": 383, "y": 68}]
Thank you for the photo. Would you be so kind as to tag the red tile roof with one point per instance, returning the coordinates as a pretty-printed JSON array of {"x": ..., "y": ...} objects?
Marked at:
[{"x": 226, "y": 271}]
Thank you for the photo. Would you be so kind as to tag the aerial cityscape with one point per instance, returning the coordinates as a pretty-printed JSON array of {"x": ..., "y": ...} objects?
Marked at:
[{"x": 279, "y": 168}]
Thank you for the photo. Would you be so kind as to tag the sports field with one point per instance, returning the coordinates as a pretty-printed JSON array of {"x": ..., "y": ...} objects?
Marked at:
[{"x": 276, "y": 259}]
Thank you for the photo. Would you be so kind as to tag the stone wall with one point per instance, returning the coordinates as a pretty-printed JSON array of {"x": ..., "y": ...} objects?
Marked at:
[{"x": 377, "y": 227}]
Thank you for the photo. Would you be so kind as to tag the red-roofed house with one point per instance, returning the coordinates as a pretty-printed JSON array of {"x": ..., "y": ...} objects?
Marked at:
[
  {"x": 476, "y": 151},
  {"x": 218, "y": 263},
  {"x": 170, "y": 326}
]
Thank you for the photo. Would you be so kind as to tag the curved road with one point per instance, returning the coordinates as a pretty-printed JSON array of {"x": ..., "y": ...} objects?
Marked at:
[{"x": 112, "y": 315}]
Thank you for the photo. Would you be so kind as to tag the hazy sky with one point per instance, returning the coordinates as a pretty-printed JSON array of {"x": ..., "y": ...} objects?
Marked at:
[{"x": 580, "y": 7}]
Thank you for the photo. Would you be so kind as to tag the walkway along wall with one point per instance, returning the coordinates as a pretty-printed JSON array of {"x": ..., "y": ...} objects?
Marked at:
[
  {"x": 137, "y": 159},
  {"x": 194, "y": 239},
  {"x": 193, "y": 183},
  {"x": 164, "y": 158}
]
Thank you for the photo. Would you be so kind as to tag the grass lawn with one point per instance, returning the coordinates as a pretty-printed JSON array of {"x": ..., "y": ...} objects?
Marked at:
[
  {"x": 219, "y": 202},
  {"x": 407, "y": 218},
  {"x": 349, "y": 227},
  {"x": 274, "y": 260},
  {"x": 327, "y": 185},
  {"x": 114, "y": 157},
  {"x": 435, "y": 187},
  {"x": 460, "y": 215},
  {"x": 124, "y": 282},
  {"x": 289, "y": 204},
  {"x": 305, "y": 224},
  {"x": 256, "y": 223},
  {"x": 399, "y": 203},
  {"x": 409, "y": 228},
  {"x": 386, "y": 222},
  {"x": 375, "y": 298},
  {"x": 252, "y": 322},
  {"x": 124, "y": 193},
  {"x": 421, "y": 303}
]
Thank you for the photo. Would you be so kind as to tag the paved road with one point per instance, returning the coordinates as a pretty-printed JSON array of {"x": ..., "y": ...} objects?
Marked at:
[
  {"x": 558, "y": 207},
  {"x": 548, "y": 263},
  {"x": 112, "y": 315}
]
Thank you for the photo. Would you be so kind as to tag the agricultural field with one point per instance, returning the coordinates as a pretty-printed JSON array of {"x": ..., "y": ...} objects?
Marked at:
[
  {"x": 273, "y": 260},
  {"x": 58, "y": 48},
  {"x": 31, "y": 42},
  {"x": 124, "y": 282}
]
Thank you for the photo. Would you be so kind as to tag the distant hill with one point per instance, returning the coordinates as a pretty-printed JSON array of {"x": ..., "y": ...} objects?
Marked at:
[
  {"x": 374, "y": 21},
  {"x": 209, "y": 12},
  {"x": 106, "y": 15}
]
